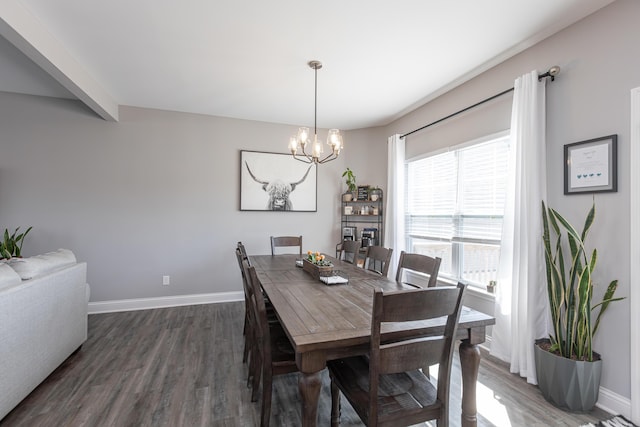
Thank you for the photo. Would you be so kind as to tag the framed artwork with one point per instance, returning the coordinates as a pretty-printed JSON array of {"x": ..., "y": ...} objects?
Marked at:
[
  {"x": 591, "y": 166},
  {"x": 363, "y": 192},
  {"x": 276, "y": 182}
]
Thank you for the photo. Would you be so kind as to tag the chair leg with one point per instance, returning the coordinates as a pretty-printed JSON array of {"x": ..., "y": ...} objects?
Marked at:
[
  {"x": 267, "y": 378},
  {"x": 245, "y": 351},
  {"x": 253, "y": 360},
  {"x": 335, "y": 404},
  {"x": 256, "y": 378}
]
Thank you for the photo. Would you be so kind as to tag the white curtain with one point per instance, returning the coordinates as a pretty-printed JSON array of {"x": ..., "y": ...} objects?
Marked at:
[
  {"x": 521, "y": 314},
  {"x": 394, "y": 205}
]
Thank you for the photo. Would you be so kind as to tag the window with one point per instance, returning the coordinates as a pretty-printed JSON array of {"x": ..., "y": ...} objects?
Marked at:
[{"x": 454, "y": 208}]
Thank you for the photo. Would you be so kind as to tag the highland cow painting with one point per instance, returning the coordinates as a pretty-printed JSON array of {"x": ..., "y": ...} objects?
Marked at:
[{"x": 276, "y": 182}]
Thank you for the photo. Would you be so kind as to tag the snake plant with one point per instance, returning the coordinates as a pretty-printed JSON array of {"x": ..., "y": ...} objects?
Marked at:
[
  {"x": 11, "y": 244},
  {"x": 570, "y": 286}
]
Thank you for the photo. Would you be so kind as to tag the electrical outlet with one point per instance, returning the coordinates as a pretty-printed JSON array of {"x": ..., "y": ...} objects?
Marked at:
[{"x": 166, "y": 280}]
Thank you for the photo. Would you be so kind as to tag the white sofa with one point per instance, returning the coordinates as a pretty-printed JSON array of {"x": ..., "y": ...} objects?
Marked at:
[{"x": 43, "y": 320}]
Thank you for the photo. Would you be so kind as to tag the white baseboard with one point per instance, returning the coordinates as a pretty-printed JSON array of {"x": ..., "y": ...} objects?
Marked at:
[
  {"x": 614, "y": 403},
  {"x": 162, "y": 302}
]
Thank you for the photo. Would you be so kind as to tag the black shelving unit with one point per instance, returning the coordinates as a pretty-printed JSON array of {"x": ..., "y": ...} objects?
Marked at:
[{"x": 365, "y": 218}]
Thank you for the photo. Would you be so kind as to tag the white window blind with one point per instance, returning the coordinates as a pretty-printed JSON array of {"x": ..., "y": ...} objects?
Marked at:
[{"x": 454, "y": 208}]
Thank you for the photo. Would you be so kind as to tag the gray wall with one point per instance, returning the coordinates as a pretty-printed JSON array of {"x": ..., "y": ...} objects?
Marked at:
[
  {"x": 154, "y": 194},
  {"x": 589, "y": 99}
]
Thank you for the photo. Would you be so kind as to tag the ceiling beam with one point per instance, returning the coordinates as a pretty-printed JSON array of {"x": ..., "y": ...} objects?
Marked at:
[{"x": 29, "y": 36}]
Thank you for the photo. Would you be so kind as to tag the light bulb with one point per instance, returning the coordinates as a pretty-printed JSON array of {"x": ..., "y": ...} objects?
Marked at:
[
  {"x": 293, "y": 144},
  {"x": 317, "y": 148},
  {"x": 303, "y": 135}
]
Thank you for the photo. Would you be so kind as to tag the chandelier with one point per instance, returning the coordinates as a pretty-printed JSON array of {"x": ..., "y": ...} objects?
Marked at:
[{"x": 302, "y": 140}]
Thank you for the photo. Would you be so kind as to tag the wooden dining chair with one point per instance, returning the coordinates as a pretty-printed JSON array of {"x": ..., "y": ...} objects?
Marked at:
[
  {"x": 273, "y": 352},
  {"x": 286, "y": 241},
  {"x": 248, "y": 321},
  {"x": 419, "y": 263},
  {"x": 243, "y": 251},
  {"x": 350, "y": 251},
  {"x": 386, "y": 387},
  {"x": 378, "y": 259}
]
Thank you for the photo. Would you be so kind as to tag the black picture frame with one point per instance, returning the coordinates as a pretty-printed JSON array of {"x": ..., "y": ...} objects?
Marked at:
[
  {"x": 363, "y": 192},
  {"x": 591, "y": 166},
  {"x": 276, "y": 182}
]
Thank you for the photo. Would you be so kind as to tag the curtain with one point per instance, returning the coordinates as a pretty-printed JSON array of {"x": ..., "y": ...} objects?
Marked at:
[
  {"x": 394, "y": 205},
  {"x": 520, "y": 311}
]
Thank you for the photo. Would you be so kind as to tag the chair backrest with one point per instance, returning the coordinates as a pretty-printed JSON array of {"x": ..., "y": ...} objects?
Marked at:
[
  {"x": 242, "y": 260},
  {"x": 350, "y": 251},
  {"x": 420, "y": 263},
  {"x": 243, "y": 250},
  {"x": 259, "y": 311},
  {"x": 410, "y": 353},
  {"x": 286, "y": 241},
  {"x": 378, "y": 259}
]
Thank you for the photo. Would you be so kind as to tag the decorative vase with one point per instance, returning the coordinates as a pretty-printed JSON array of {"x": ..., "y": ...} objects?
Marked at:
[
  {"x": 374, "y": 197},
  {"x": 567, "y": 383}
]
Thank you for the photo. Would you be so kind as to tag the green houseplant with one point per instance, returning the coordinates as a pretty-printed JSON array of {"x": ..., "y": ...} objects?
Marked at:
[
  {"x": 350, "y": 180},
  {"x": 570, "y": 289},
  {"x": 374, "y": 192},
  {"x": 11, "y": 244}
]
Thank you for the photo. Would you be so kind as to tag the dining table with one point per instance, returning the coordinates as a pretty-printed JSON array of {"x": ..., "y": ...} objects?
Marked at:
[{"x": 326, "y": 322}]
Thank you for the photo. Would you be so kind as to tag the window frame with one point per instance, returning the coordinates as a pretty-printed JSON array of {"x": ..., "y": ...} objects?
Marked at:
[{"x": 457, "y": 244}]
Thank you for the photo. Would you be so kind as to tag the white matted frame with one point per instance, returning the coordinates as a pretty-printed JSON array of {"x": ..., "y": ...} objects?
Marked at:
[
  {"x": 591, "y": 166},
  {"x": 634, "y": 253},
  {"x": 276, "y": 182}
]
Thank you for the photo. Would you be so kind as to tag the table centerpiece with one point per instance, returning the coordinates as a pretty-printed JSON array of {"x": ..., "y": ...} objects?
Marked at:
[{"x": 317, "y": 265}]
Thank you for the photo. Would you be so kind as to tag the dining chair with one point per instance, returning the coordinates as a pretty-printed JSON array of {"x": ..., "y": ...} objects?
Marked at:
[
  {"x": 386, "y": 387},
  {"x": 350, "y": 251},
  {"x": 248, "y": 322},
  {"x": 419, "y": 263},
  {"x": 378, "y": 259},
  {"x": 243, "y": 251},
  {"x": 274, "y": 354},
  {"x": 286, "y": 241}
]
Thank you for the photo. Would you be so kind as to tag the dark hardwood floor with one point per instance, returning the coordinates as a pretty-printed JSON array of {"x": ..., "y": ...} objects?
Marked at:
[{"x": 183, "y": 366}]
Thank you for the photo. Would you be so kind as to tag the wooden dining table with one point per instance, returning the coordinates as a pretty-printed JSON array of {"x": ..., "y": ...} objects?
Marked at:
[{"x": 325, "y": 322}]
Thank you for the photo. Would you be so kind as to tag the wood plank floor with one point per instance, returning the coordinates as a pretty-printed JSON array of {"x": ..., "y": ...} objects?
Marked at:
[{"x": 183, "y": 366}]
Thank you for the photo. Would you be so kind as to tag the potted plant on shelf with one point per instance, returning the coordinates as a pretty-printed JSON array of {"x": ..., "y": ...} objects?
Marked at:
[
  {"x": 568, "y": 369},
  {"x": 375, "y": 193},
  {"x": 350, "y": 180},
  {"x": 11, "y": 244}
]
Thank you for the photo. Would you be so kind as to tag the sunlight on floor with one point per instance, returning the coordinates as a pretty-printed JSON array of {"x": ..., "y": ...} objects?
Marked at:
[{"x": 489, "y": 406}]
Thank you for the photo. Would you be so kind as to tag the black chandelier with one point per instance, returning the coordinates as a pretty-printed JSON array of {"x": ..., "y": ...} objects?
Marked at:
[{"x": 300, "y": 141}]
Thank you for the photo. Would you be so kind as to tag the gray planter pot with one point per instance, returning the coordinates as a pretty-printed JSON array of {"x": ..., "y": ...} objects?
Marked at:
[{"x": 568, "y": 384}]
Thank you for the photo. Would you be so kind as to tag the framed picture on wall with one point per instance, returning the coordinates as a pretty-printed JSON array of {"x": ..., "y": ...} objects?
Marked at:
[
  {"x": 276, "y": 182},
  {"x": 591, "y": 166}
]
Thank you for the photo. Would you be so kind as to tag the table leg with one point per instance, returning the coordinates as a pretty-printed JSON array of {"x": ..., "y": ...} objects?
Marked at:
[
  {"x": 469, "y": 364},
  {"x": 309, "y": 385}
]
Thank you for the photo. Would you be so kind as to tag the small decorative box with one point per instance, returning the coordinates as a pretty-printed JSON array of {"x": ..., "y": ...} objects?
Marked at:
[{"x": 316, "y": 270}]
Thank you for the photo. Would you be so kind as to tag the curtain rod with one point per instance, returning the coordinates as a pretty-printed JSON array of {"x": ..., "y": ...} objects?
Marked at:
[{"x": 552, "y": 73}]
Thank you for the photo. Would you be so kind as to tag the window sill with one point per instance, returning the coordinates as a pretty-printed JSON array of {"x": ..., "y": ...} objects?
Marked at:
[
  {"x": 482, "y": 294},
  {"x": 475, "y": 290}
]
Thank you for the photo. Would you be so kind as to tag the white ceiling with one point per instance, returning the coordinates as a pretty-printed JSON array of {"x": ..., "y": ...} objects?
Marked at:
[{"x": 248, "y": 58}]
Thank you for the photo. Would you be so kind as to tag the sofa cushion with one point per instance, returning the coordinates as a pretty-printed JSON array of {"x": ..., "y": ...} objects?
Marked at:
[
  {"x": 38, "y": 265},
  {"x": 8, "y": 276}
]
